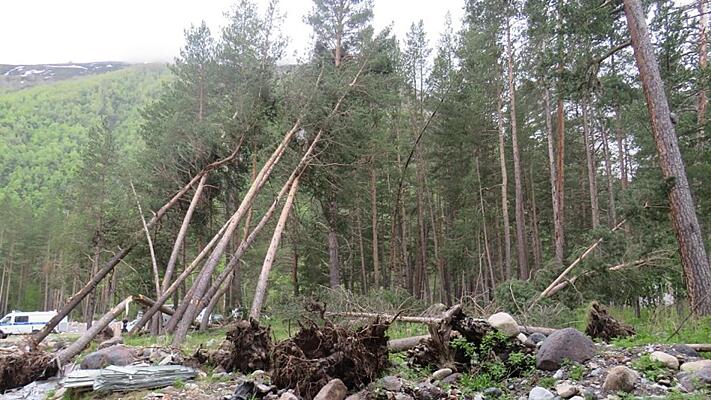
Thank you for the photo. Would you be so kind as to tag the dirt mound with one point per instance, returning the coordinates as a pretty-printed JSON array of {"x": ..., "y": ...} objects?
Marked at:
[
  {"x": 318, "y": 354},
  {"x": 20, "y": 368}
]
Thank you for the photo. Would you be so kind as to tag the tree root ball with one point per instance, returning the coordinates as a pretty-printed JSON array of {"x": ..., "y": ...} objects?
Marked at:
[
  {"x": 318, "y": 354},
  {"x": 246, "y": 348},
  {"x": 20, "y": 368},
  {"x": 602, "y": 325}
]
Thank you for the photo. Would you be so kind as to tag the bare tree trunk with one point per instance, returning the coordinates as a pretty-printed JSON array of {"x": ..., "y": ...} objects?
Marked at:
[
  {"x": 261, "y": 290},
  {"x": 521, "y": 246},
  {"x": 611, "y": 207},
  {"x": 535, "y": 235},
  {"x": 75, "y": 348},
  {"x": 483, "y": 224},
  {"x": 589, "y": 141},
  {"x": 504, "y": 188},
  {"x": 552, "y": 165},
  {"x": 334, "y": 264},
  {"x": 622, "y": 151},
  {"x": 374, "y": 222},
  {"x": 421, "y": 259},
  {"x": 91, "y": 285},
  {"x": 361, "y": 248},
  {"x": 702, "y": 101},
  {"x": 180, "y": 239},
  {"x": 187, "y": 310},
  {"x": 686, "y": 225}
]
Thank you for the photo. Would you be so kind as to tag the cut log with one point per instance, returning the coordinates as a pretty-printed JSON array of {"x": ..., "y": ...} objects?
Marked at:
[
  {"x": 703, "y": 348},
  {"x": 75, "y": 348}
]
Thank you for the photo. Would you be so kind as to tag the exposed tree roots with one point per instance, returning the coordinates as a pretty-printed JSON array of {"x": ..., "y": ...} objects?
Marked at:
[
  {"x": 246, "y": 348},
  {"x": 20, "y": 368},
  {"x": 474, "y": 340},
  {"x": 318, "y": 354},
  {"x": 604, "y": 326}
]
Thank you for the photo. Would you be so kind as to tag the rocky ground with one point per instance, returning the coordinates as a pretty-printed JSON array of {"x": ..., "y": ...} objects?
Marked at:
[{"x": 564, "y": 365}]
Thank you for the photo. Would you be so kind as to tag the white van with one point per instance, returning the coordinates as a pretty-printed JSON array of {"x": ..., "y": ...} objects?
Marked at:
[{"x": 19, "y": 322}]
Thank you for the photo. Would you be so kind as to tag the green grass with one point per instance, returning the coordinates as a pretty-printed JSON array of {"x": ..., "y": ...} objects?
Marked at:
[{"x": 656, "y": 326}]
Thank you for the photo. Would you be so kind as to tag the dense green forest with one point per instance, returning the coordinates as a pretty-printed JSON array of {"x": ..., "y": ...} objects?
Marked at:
[{"x": 473, "y": 169}]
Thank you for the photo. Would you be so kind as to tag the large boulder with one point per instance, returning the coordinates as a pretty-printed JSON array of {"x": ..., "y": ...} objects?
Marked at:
[
  {"x": 504, "y": 323},
  {"x": 334, "y": 390},
  {"x": 668, "y": 360},
  {"x": 539, "y": 393},
  {"x": 693, "y": 366},
  {"x": 620, "y": 378},
  {"x": 695, "y": 380},
  {"x": 114, "y": 355},
  {"x": 568, "y": 343}
]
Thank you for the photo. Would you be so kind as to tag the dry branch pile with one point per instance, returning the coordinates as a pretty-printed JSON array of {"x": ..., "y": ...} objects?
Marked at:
[{"x": 318, "y": 354}]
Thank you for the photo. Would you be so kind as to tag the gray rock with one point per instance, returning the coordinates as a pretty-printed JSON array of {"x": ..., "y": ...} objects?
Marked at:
[
  {"x": 695, "y": 380},
  {"x": 492, "y": 392},
  {"x": 391, "y": 383},
  {"x": 288, "y": 396},
  {"x": 452, "y": 379},
  {"x": 428, "y": 391},
  {"x": 568, "y": 343},
  {"x": 620, "y": 378},
  {"x": 565, "y": 390},
  {"x": 560, "y": 374},
  {"x": 115, "y": 355},
  {"x": 685, "y": 350},
  {"x": 539, "y": 393},
  {"x": 588, "y": 394},
  {"x": 362, "y": 395},
  {"x": 333, "y": 390},
  {"x": 577, "y": 398},
  {"x": 692, "y": 366},
  {"x": 441, "y": 374},
  {"x": 403, "y": 396},
  {"x": 504, "y": 323},
  {"x": 536, "y": 337},
  {"x": 667, "y": 359}
]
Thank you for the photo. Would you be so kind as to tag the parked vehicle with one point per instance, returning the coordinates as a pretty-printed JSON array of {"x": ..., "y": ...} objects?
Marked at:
[{"x": 20, "y": 322}]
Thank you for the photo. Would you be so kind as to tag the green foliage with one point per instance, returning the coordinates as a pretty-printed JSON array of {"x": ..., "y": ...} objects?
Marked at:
[
  {"x": 575, "y": 370},
  {"x": 547, "y": 382},
  {"x": 523, "y": 363},
  {"x": 493, "y": 339},
  {"x": 651, "y": 369}
]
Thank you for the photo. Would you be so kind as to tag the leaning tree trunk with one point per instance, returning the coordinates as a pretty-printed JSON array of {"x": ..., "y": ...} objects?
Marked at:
[
  {"x": 521, "y": 246},
  {"x": 686, "y": 224},
  {"x": 261, "y": 290},
  {"x": 557, "y": 222},
  {"x": 109, "y": 266}
]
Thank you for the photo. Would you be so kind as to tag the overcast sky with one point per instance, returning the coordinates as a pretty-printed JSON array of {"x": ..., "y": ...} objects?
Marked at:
[{"x": 59, "y": 31}]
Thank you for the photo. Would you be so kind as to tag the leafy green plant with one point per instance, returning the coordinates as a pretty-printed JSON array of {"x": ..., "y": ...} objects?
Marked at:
[
  {"x": 651, "y": 369},
  {"x": 179, "y": 384},
  {"x": 576, "y": 370},
  {"x": 462, "y": 344},
  {"x": 547, "y": 382},
  {"x": 471, "y": 383},
  {"x": 492, "y": 340},
  {"x": 521, "y": 362}
]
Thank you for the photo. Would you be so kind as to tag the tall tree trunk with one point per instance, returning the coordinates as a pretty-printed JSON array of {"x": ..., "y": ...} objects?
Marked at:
[
  {"x": 486, "y": 234},
  {"x": 334, "y": 263},
  {"x": 686, "y": 225},
  {"x": 535, "y": 235},
  {"x": 504, "y": 187},
  {"x": 180, "y": 239},
  {"x": 611, "y": 207},
  {"x": 421, "y": 259},
  {"x": 702, "y": 101},
  {"x": 589, "y": 140},
  {"x": 361, "y": 252},
  {"x": 261, "y": 290},
  {"x": 552, "y": 165},
  {"x": 622, "y": 152},
  {"x": 374, "y": 225},
  {"x": 521, "y": 246}
]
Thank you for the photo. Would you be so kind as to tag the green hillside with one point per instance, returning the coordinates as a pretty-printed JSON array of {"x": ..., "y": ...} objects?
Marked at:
[{"x": 43, "y": 129}]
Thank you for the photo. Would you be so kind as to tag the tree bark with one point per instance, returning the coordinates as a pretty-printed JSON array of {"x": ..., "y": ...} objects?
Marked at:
[
  {"x": 521, "y": 246},
  {"x": 374, "y": 224},
  {"x": 504, "y": 187},
  {"x": 261, "y": 290},
  {"x": 180, "y": 239},
  {"x": 611, "y": 207},
  {"x": 552, "y": 165},
  {"x": 702, "y": 101},
  {"x": 589, "y": 140},
  {"x": 361, "y": 248},
  {"x": 686, "y": 225}
]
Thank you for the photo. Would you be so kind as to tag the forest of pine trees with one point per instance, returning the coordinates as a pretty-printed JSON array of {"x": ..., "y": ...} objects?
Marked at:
[{"x": 476, "y": 168}]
